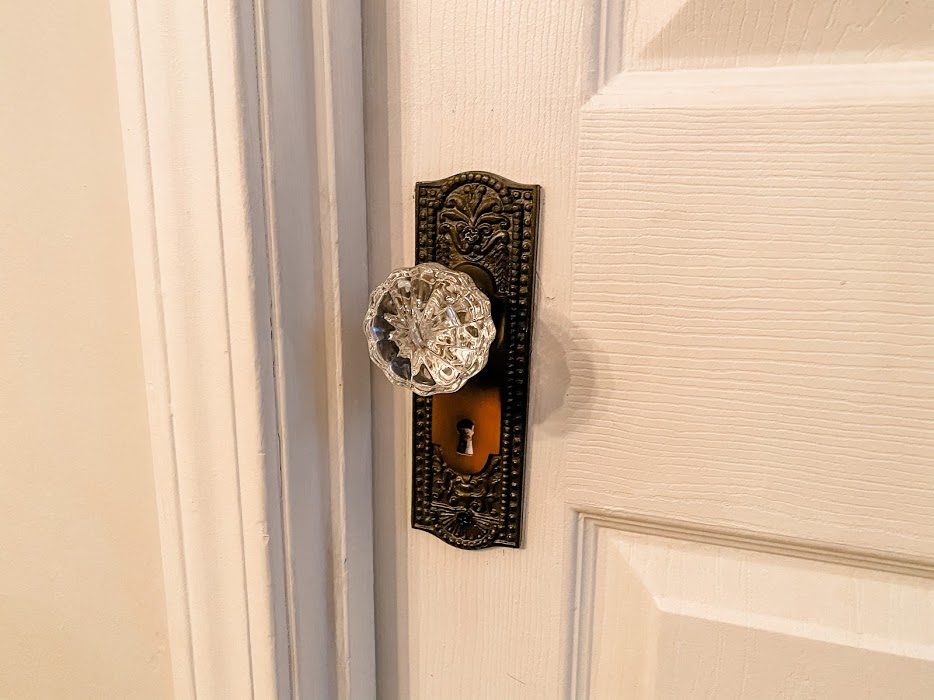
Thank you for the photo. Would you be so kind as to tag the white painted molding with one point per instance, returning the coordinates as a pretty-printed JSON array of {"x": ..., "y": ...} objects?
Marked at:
[
  {"x": 611, "y": 548},
  {"x": 231, "y": 129},
  {"x": 316, "y": 204},
  {"x": 625, "y": 28},
  {"x": 670, "y": 35},
  {"x": 878, "y": 83}
]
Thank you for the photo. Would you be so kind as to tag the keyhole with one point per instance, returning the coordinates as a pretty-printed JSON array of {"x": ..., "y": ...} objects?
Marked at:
[{"x": 465, "y": 429}]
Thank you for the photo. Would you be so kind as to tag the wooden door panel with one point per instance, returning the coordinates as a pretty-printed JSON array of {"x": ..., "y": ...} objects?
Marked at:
[
  {"x": 664, "y": 35},
  {"x": 661, "y": 617},
  {"x": 752, "y": 289},
  {"x": 455, "y": 86},
  {"x": 733, "y": 354}
]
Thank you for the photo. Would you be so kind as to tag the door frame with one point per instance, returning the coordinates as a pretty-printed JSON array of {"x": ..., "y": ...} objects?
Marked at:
[{"x": 235, "y": 114}]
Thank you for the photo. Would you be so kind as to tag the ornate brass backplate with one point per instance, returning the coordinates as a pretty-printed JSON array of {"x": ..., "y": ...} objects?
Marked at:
[{"x": 469, "y": 446}]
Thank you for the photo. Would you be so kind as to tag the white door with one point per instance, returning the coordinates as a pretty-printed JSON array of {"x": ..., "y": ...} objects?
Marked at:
[{"x": 730, "y": 480}]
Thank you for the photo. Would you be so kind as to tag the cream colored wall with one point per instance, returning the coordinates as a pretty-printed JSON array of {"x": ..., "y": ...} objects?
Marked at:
[{"x": 82, "y": 610}]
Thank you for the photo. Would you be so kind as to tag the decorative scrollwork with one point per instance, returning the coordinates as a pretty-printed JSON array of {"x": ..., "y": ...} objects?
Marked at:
[
  {"x": 473, "y": 218},
  {"x": 490, "y": 222},
  {"x": 466, "y": 509},
  {"x": 478, "y": 493}
]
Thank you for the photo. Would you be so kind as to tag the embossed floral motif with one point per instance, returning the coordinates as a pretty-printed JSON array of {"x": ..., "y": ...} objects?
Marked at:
[
  {"x": 472, "y": 217},
  {"x": 473, "y": 492},
  {"x": 467, "y": 508},
  {"x": 487, "y": 221}
]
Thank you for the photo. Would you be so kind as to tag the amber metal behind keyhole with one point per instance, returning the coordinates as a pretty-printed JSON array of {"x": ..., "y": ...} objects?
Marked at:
[{"x": 483, "y": 405}]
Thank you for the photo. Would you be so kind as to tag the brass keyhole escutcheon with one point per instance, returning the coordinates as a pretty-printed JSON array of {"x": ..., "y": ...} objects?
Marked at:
[
  {"x": 485, "y": 226},
  {"x": 455, "y": 329}
]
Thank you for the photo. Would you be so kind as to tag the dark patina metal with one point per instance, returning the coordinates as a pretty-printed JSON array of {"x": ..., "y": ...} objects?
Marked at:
[{"x": 485, "y": 225}]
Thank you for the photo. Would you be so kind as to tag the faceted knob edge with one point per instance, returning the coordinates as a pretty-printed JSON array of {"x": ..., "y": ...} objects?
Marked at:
[{"x": 429, "y": 328}]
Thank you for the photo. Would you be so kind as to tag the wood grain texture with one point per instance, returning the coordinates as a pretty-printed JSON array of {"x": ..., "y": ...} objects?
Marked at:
[
  {"x": 737, "y": 623},
  {"x": 662, "y": 35},
  {"x": 732, "y": 322},
  {"x": 757, "y": 287},
  {"x": 457, "y": 86}
]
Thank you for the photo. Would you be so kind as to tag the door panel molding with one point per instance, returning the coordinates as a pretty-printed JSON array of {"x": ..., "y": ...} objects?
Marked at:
[
  {"x": 260, "y": 435},
  {"x": 635, "y": 577},
  {"x": 725, "y": 351},
  {"x": 736, "y": 538},
  {"x": 678, "y": 35},
  {"x": 782, "y": 87},
  {"x": 727, "y": 331}
]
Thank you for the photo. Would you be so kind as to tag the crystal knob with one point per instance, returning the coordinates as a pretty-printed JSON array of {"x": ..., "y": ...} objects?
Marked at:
[{"x": 429, "y": 328}]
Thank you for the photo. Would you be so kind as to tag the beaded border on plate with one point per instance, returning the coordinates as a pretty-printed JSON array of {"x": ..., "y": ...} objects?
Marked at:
[{"x": 491, "y": 511}]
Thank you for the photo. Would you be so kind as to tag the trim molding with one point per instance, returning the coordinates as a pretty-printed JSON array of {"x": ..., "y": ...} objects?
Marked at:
[
  {"x": 624, "y": 29},
  {"x": 587, "y": 525},
  {"x": 230, "y": 121},
  {"x": 893, "y": 83}
]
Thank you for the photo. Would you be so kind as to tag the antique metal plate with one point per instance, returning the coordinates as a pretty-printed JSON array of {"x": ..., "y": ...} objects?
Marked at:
[{"x": 484, "y": 225}]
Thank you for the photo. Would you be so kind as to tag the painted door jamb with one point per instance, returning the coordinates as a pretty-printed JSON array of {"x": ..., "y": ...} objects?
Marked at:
[{"x": 243, "y": 139}]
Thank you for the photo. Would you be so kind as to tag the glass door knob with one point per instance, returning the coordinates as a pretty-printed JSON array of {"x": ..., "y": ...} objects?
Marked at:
[{"x": 429, "y": 328}]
